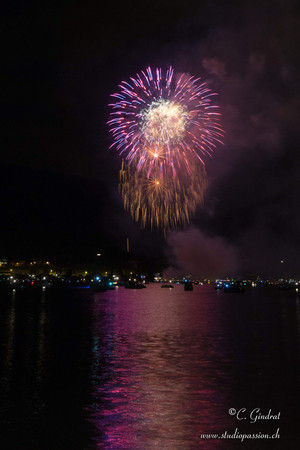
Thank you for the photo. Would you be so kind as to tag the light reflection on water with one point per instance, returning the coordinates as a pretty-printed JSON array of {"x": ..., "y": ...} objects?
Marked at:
[
  {"x": 152, "y": 368},
  {"x": 169, "y": 368}
]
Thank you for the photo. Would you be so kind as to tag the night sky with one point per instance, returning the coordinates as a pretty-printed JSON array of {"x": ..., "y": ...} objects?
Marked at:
[{"x": 59, "y": 180}]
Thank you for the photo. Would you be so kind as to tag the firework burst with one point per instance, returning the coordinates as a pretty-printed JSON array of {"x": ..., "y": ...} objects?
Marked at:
[
  {"x": 158, "y": 114},
  {"x": 163, "y": 126}
]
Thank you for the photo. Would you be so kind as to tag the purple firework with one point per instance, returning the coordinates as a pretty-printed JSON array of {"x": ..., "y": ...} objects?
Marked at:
[{"x": 162, "y": 122}]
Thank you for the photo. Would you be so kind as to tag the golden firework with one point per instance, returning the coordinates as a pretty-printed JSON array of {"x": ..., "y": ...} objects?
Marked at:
[{"x": 160, "y": 199}]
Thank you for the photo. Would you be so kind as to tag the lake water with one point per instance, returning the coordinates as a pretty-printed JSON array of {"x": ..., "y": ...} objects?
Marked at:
[{"x": 152, "y": 368}]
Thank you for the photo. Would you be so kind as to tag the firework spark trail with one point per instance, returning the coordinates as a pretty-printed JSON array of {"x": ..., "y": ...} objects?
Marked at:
[
  {"x": 163, "y": 126},
  {"x": 162, "y": 201}
]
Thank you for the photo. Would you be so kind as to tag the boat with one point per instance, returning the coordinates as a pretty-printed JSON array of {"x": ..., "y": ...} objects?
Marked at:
[
  {"x": 134, "y": 285},
  {"x": 284, "y": 286},
  {"x": 110, "y": 286},
  {"x": 234, "y": 286},
  {"x": 188, "y": 286},
  {"x": 99, "y": 286}
]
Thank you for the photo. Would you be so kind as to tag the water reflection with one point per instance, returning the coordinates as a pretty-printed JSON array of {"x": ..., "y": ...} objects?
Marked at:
[
  {"x": 43, "y": 366},
  {"x": 8, "y": 347},
  {"x": 164, "y": 378},
  {"x": 146, "y": 369}
]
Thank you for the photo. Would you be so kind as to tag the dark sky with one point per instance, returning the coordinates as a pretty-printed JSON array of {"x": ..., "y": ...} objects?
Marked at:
[{"x": 59, "y": 180}]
